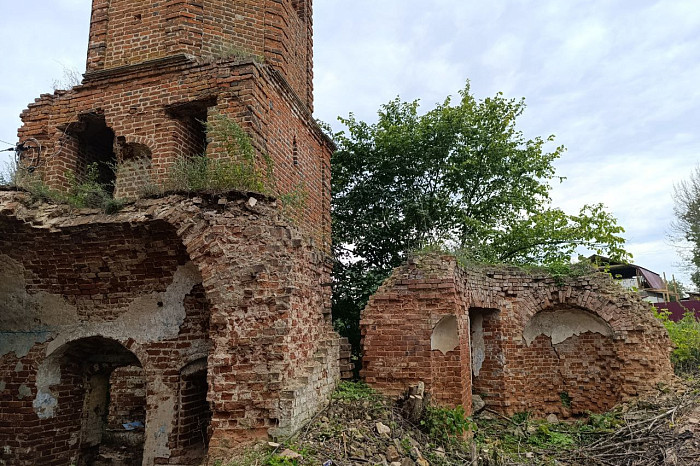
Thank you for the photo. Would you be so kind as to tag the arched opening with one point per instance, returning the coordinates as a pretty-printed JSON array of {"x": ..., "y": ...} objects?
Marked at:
[
  {"x": 194, "y": 414},
  {"x": 571, "y": 354},
  {"x": 445, "y": 336},
  {"x": 107, "y": 400},
  {"x": 96, "y": 161}
]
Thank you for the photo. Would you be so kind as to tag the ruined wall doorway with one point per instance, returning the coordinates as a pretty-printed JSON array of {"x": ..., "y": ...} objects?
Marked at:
[
  {"x": 95, "y": 143},
  {"x": 193, "y": 428},
  {"x": 487, "y": 359},
  {"x": 113, "y": 392}
]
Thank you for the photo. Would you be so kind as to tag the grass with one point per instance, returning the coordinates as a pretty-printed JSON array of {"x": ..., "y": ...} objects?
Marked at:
[
  {"x": 84, "y": 191},
  {"x": 241, "y": 168}
]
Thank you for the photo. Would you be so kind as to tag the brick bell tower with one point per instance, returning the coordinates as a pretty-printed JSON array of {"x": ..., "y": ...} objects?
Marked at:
[
  {"x": 128, "y": 32},
  {"x": 206, "y": 318},
  {"x": 155, "y": 70}
]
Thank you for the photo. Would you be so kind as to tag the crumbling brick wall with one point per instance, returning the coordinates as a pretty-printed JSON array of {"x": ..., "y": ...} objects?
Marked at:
[
  {"x": 144, "y": 108},
  {"x": 129, "y": 32},
  {"x": 524, "y": 342},
  {"x": 163, "y": 285},
  {"x": 214, "y": 306},
  {"x": 157, "y": 72}
]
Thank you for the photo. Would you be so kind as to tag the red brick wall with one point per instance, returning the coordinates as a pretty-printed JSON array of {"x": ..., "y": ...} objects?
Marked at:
[
  {"x": 397, "y": 325},
  {"x": 127, "y": 397},
  {"x": 145, "y": 107},
  {"x": 260, "y": 317},
  {"x": 128, "y": 32},
  {"x": 590, "y": 371}
]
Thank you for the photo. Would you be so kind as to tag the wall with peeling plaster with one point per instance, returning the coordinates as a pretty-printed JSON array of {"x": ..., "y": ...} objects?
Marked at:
[
  {"x": 160, "y": 285},
  {"x": 526, "y": 341}
]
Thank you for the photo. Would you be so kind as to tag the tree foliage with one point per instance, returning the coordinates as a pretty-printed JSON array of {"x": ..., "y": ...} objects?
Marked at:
[
  {"x": 461, "y": 176},
  {"x": 687, "y": 224}
]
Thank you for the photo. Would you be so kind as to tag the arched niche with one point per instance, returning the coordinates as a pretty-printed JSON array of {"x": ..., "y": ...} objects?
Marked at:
[
  {"x": 96, "y": 389},
  {"x": 561, "y": 324},
  {"x": 193, "y": 424}
]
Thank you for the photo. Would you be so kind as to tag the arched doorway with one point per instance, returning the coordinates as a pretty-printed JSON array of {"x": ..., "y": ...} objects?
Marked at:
[{"x": 108, "y": 399}]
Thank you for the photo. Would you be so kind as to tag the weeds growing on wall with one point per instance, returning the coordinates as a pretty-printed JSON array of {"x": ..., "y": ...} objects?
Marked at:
[
  {"x": 203, "y": 175},
  {"x": 243, "y": 169},
  {"x": 560, "y": 271},
  {"x": 685, "y": 336},
  {"x": 84, "y": 191}
]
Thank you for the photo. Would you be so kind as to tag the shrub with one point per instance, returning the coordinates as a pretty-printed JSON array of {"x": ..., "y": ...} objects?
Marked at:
[
  {"x": 444, "y": 424},
  {"x": 9, "y": 174},
  {"x": 685, "y": 336},
  {"x": 242, "y": 169},
  {"x": 85, "y": 191}
]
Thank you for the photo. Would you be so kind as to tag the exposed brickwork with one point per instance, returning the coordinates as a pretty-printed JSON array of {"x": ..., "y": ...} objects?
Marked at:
[
  {"x": 170, "y": 282},
  {"x": 142, "y": 101},
  {"x": 129, "y": 32},
  {"x": 206, "y": 319},
  {"x": 593, "y": 344}
]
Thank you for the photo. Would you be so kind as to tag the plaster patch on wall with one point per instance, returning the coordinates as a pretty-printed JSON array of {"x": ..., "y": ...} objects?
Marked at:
[
  {"x": 563, "y": 324},
  {"x": 2, "y": 386},
  {"x": 48, "y": 374},
  {"x": 478, "y": 346},
  {"x": 155, "y": 317},
  {"x": 24, "y": 392},
  {"x": 149, "y": 318},
  {"x": 27, "y": 319},
  {"x": 445, "y": 337},
  {"x": 159, "y": 423}
]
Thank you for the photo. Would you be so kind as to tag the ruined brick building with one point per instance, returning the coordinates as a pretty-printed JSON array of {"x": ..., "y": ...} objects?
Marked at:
[
  {"x": 523, "y": 342},
  {"x": 177, "y": 327}
]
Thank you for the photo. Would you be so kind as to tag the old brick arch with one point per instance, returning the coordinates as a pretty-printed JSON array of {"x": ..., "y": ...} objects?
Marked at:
[
  {"x": 212, "y": 296},
  {"x": 577, "y": 365},
  {"x": 526, "y": 341},
  {"x": 92, "y": 386},
  {"x": 123, "y": 290}
]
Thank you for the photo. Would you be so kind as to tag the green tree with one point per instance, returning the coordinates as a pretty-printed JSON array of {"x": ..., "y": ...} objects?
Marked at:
[
  {"x": 461, "y": 176},
  {"x": 687, "y": 224}
]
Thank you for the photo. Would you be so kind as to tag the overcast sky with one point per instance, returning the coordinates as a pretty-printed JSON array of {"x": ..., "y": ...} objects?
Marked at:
[{"x": 617, "y": 82}]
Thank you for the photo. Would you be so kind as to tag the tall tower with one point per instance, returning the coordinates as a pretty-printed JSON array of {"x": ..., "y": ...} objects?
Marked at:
[
  {"x": 182, "y": 325},
  {"x": 127, "y": 32}
]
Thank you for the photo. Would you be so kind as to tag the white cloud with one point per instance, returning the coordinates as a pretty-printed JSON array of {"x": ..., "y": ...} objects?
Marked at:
[{"x": 615, "y": 81}]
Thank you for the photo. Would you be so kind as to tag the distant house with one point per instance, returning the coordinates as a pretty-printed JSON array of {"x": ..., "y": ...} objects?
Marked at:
[{"x": 650, "y": 286}]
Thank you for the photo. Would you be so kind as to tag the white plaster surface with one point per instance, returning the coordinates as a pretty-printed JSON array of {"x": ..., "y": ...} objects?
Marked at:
[
  {"x": 143, "y": 320},
  {"x": 27, "y": 319},
  {"x": 445, "y": 337},
  {"x": 563, "y": 324},
  {"x": 478, "y": 346}
]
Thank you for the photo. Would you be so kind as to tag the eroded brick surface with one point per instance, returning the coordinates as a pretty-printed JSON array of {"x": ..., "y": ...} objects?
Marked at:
[
  {"x": 159, "y": 301},
  {"x": 177, "y": 328},
  {"x": 526, "y": 342},
  {"x": 157, "y": 71}
]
